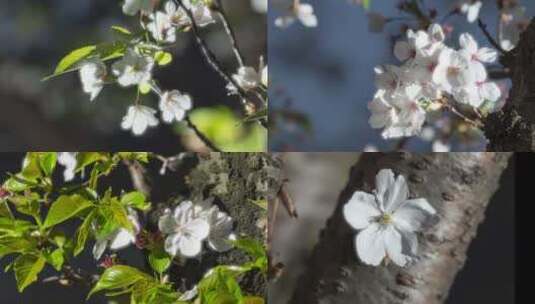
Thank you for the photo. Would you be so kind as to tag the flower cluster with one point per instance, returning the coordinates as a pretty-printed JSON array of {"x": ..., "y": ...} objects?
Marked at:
[
  {"x": 431, "y": 73},
  {"x": 188, "y": 225},
  {"x": 387, "y": 221},
  {"x": 135, "y": 68}
]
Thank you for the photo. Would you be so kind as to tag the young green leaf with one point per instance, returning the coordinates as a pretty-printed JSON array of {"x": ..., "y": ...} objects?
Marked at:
[
  {"x": 136, "y": 200},
  {"x": 82, "y": 233},
  {"x": 47, "y": 162},
  {"x": 74, "y": 57},
  {"x": 66, "y": 207},
  {"x": 118, "y": 277},
  {"x": 159, "y": 260},
  {"x": 84, "y": 159},
  {"x": 26, "y": 268},
  {"x": 56, "y": 259}
]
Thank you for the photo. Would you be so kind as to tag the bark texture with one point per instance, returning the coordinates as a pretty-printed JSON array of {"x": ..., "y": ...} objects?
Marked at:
[
  {"x": 458, "y": 185},
  {"x": 513, "y": 127},
  {"x": 235, "y": 181}
]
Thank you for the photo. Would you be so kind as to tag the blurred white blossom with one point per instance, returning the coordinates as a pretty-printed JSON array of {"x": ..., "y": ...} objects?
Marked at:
[
  {"x": 138, "y": 118},
  {"x": 174, "y": 105},
  {"x": 133, "y": 69},
  {"x": 92, "y": 74}
]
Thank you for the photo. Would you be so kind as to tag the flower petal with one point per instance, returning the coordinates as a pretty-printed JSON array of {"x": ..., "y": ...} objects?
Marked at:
[
  {"x": 397, "y": 194},
  {"x": 171, "y": 244},
  {"x": 198, "y": 228},
  {"x": 360, "y": 210},
  {"x": 413, "y": 214},
  {"x": 370, "y": 245},
  {"x": 394, "y": 248},
  {"x": 189, "y": 246},
  {"x": 383, "y": 182},
  {"x": 121, "y": 239},
  {"x": 99, "y": 248},
  {"x": 167, "y": 223}
]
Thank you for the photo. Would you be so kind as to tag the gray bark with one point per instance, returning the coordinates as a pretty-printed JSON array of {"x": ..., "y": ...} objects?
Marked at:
[
  {"x": 513, "y": 127},
  {"x": 458, "y": 185}
]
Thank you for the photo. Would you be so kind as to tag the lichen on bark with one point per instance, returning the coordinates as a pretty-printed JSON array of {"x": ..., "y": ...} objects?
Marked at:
[{"x": 458, "y": 185}]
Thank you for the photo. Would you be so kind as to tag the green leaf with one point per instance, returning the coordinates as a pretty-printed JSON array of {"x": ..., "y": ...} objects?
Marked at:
[
  {"x": 10, "y": 245},
  {"x": 84, "y": 159},
  {"x": 121, "y": 30},
  {"x": 5, "y": 211},
  {"x": 139, "y": 156},
  {"x": 47, "y": 161},
  {"x": 163, "y": 58},
  {"x": 262, "y": 203},
  {"x": 27, "y": 204},
  {"x": 220, "y": 287},
  {"x": 74, "y": 57},
  {"x": 366, "y": 3},
  {"x": 56, "y": 259},
  {"x": 113, "y": 50},
  {"x": 27, "y": 267},
  {"x": 135, "y": 199},
  {"x": 159, "y": 260},
  {"x": 64, "y": 208},
  {"x": 120, "y": 215},
  {"x": 118, "y": 277},
  {"x": 82, "y": 233},
  {"x": 31, "y": 168}
]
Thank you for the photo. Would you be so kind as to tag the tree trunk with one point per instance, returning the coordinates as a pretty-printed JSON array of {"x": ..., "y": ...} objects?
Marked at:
[
  {"x": 458, "y": 185},
  {"x": 513, "y": 127}
]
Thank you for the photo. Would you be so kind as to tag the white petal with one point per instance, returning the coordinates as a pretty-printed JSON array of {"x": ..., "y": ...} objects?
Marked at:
[
  {"x": 397, "y": 194},
  {"x": 413, "y": 214},
  {"x": 189, "y": 246},
  {"x": 383, "y": 182},
  {"x": 393, "y": 245},
  {"x": 221, "y": 244},
  {"x": 99, "y": 248},
  {"x": 467, "y": 42},
  {"x": 402, "y": 50},
  {"x": 487, "y": 55},
  {"x": 360, "y": 210},
  {"x": 167, "y": 223},
  {"x": 122, "y": 239},
  {"x": 371, "y": 245},
  {"x": 473, "y": 11},
  {"x": 198, "y": 228},
  {"x": 171, "y": 244},
  {"x": 490, "y": 91}
]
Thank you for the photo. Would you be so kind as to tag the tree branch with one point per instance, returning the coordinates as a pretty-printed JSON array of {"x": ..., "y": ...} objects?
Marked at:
[{"x": 458, "y": 185}]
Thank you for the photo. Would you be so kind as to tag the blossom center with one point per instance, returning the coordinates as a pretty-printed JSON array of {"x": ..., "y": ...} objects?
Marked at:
[{"x": 385, "y": 219}]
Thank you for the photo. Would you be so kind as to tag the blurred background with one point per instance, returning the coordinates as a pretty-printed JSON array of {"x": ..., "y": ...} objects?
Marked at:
[
  {"x": 322, "y": 78},
  {"x": 57, "y": 115},
  {"x": 315, "y": 182}
]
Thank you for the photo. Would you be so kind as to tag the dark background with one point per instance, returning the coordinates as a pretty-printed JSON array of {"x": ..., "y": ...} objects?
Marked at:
[{"x": 57, "y": 115}]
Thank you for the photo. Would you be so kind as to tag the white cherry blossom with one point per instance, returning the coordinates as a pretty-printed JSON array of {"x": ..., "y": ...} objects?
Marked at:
[
  {"x": 221, "y": 229},
  {"x": 453, "y": 71},
  {"x": 161, "y": 27},
  {"x": 303, "y": 12},
  {"x": 246, "y": 78},
  {"x": 132, "y": 7},
  {"x": 138, "y": 118},
  {"x": 471, "y": 9},
  {"x": 120, "y": 238},
  {"x": 174, "y": 105},
  {"x": 200, "y": 11},
  {"x": 185, "y": 230},
  {"x": 133, "y": 69},
  {"x": 387, "y": 221},
  {"x": 92, "y": 74},
  {"x": 68, "y": 160}
]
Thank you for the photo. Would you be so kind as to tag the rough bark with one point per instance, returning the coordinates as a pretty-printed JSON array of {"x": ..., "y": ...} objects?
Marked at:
[
  {"x": 458, "y": 185},
  {"x": 235, "y": 180},
  {"x": 513, "y": 127}
]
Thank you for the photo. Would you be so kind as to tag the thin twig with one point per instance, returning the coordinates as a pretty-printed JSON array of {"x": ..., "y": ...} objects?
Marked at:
[
  {"x": 210, "y": 57},
  {"x": 137, "y": 174},
  {"x": 492, "y": 41},
  {"x": 230, "y": 32},
  {"x": 201, "y": 136}
]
